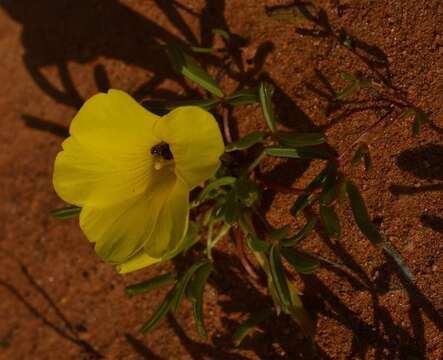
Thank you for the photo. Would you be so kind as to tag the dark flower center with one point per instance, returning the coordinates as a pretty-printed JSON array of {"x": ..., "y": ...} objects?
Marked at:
[{"x": 162, "y": 150}]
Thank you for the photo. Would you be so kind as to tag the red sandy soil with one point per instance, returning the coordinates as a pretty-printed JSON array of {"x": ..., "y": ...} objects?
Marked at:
[{"x": 58, "y": 301}]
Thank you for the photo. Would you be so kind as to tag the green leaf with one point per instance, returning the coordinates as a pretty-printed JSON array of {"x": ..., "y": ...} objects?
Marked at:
[
  {"x": 330, "y": 221},
  {"x": 243, "y": 97},
  {"x": 186, "y": 65},
  {"x": 361, "y": 215},
  {"x": 298, "y": 153},
  {"x": 66, "y": 212},
  {"x": 183, "y": 283},
  {"x": 303, "y": 233},
  {"x": 265, "y": 92},
  {"x": 300, "y": 140},
  {"x": 280, "y": 233},
  {"x": 246, "y": 142},
  {"x": 389, "y": 249},
  {"x": 249, "y": 325},
  {"x": 195, "y": 295},
  {"x": 150, "y": 284},
  {"x": 299, "y": 262},
  {"x": 362, "y": 153},
  {"x": 161, "y": 311},
  {"x": 348, "y": 90},
  {"x": 223, "y": 33},
  {"x": 329, "y": 191},
  {"x": 231, "y": 208},
  {"x": 420, "y": 119},
  {"x": 347, "y": 76},
  {"x": 302, "y": 202},
  {"x": 212, "y": 189},
  {"x": 279, "y": 278},
  {"x": 161, "y": 107},
  {"x": 291, "y": 13},
  {"x": 319, "y": 179},
  {"x": 256, "y": 244},
  {"x": 298, "y": 312}
]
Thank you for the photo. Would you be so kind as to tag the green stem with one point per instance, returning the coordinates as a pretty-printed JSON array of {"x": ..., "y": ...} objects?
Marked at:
[
  {"x": 256, "y": 162},
  {"x": 211, "y": 243}
]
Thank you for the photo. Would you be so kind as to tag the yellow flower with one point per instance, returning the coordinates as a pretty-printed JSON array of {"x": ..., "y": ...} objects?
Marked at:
[{"x": 131, "y": 172}]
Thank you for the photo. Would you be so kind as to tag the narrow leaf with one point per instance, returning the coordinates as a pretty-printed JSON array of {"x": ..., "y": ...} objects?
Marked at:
[
  {"x": 223, "y": 33},
  {"x": 213, "y": 187},
  {"x": 246, "y": 142},
  {"x": 303, "y": 233},
  {"x": 186, "y": 65},
  {"x": 299, "y": 262},
  {"x": 161, "y": 311},
  {"x": 348, "y": 90},
  {"x": 256, "y": 244},
  {"x": 347, "y": 76},
  {"x": 299, "y": 313},
  {"x": 298, "y": 153},
  {"x": 249, "y": 325},
  {"x": 183, "y": 283},
  {"x": 302, "y": 202},
  {"x": 266, "y": 90},
  {"x": 195, "y": 294},
  {"x": 66, "y": 212},
  {"x": 420, "y": 119},
  {"x": 361, "y": 215},
  {"x": 319, "y": 179},
  {"x": 329, "y": 191},
  {"x": 279, "y": 278},
  {"x": 300, "y": 140},
  {"x": 330, "y": 221},
  {"x": 150, "y": 284},
  {"x": 243, "y": 97}
]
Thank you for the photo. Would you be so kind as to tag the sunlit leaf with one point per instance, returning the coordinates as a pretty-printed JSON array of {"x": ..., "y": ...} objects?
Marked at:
[
  {"x": 213, "y": 187},
  {"x": 361, "y": 215},
  {"x": 186, "y": 65},
  {"x": 246, "y": 142},
  {"x": 195, "y": 294},
  {"x": 298, "y": 153},
  {"x": 299, "y": 262},
  {"x": 300, "y": 140},
  {"x": 151, "y": 284},
  {"x": 298, "y": 312},
  {"x": 66, "y": 212},
  {"x": 223, "y": 33},
  {"x": 249, "y": 325},
  {"x": 279, "y": 278},
  {"x": 266, "y": 91},
  {"x": 330, "y": 221}
]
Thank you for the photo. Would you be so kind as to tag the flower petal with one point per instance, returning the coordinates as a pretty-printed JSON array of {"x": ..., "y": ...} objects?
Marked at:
[
  {"x": 106, "y": 159},
  {"x": 142, "y": 260},
  {"x": 137, "y": 262},
  {"x": 172, "y": 222},
  {"x": 121, "y": 230},
  {"x": 195, "y": 141}
]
